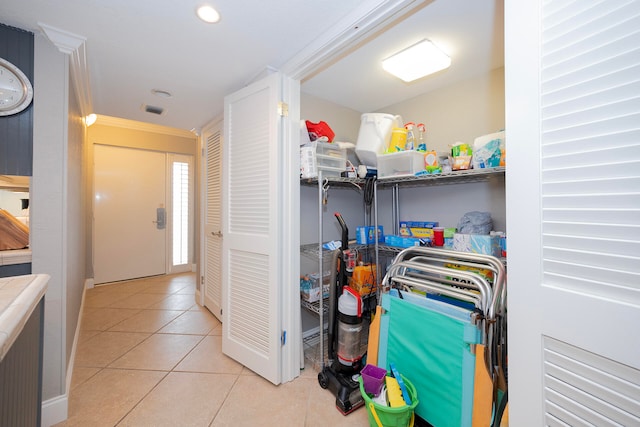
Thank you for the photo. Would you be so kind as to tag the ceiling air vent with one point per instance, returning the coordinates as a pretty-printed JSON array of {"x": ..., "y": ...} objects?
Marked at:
[{"x": 153, "y": 109}]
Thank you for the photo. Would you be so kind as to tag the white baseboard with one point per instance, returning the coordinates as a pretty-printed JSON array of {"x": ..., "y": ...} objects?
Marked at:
[
  {"x": 74, "y": 346},
  {"x": 89, "y": 283},
  {"x": 54, "y": 410}
]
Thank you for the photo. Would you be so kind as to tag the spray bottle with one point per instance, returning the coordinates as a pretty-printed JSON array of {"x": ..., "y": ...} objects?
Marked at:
[
  {"x": 411, "y": 139},
  {"x": 422, "y": 144}
]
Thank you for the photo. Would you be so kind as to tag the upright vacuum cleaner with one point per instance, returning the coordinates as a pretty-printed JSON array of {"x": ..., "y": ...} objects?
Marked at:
[{"x": 345, "y": 326}]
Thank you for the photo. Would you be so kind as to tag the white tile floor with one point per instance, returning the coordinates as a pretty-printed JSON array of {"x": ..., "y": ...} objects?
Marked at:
[{"x": 149, "y": 356}]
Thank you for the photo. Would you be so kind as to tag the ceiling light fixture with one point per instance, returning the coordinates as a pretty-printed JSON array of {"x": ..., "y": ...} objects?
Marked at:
[
  {"x": 208, "y": 14},
  {"x": 90, "y": 119},
  {"x": 416, "y": 61}
]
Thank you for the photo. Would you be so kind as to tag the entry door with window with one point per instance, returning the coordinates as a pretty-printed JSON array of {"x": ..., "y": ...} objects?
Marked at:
[{"x": 138, "y": 196}]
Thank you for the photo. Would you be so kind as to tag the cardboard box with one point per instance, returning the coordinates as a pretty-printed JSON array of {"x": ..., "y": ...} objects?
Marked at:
[
  {"x": 310, "y": 286},
  {"x": 419, "y": 224},
  {"x": 363, "y": 279},
  {"x": 477, "y": 243},
  {"x": 405, "y": 242},
  {"x": 365, "y": 235},
  {"x": 416, "y": 232},
  {"x": 417, "y": 228}
]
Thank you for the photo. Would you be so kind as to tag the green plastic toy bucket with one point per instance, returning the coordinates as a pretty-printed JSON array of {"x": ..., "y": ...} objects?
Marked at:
[{"x": 386, "y": 416}]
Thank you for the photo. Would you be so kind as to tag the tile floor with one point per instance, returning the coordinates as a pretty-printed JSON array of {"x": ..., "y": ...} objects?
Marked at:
[{"x": 149, "y": 356}]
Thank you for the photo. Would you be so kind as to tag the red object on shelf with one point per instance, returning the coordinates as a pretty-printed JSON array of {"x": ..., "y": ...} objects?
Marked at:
[
  {"x": 320, "y": 129},
  {"x": 438, "y": 236}
]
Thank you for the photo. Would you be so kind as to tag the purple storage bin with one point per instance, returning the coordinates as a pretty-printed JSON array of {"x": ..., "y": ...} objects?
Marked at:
[{"x": 373, "y": 379}]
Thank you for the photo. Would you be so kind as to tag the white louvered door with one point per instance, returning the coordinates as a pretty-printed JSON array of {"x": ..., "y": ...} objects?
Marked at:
[
  {"x": 572, "y": 75},
  {"x": 213, "y": 221},
  {"x": 259, "y": 216}
]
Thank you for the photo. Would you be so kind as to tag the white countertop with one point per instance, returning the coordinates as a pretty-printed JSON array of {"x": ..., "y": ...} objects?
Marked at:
[
  {"x": 19, "y": 296},
  {"x": 17, "y": 256}
]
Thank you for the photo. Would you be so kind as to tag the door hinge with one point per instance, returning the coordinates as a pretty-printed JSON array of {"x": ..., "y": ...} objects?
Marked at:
[
  {"x": 283, "y": 338},
  {"x": 202, "y": 280},
  {"x": 283, "y": 109}
]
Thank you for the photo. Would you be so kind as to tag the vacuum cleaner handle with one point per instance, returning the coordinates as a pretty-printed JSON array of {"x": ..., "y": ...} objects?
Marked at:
[{"x": 345, "y": 231}]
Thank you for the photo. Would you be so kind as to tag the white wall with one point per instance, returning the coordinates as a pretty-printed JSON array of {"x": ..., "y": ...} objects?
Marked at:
[
  {"x": 76, "y": 217},
  {"x": 48, "y": 203},
  {"x": 58, "y": 216},
  {"x": 460, "y": 112}
]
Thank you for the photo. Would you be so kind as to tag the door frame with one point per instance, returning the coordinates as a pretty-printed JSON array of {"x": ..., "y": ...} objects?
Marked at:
[
  {"x": 194, "y": 228},
  {"x": 368, "y": 19}
]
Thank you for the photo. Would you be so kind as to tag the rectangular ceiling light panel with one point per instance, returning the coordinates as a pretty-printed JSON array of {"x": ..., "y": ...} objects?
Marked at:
[{"x": 416, "y": 61}]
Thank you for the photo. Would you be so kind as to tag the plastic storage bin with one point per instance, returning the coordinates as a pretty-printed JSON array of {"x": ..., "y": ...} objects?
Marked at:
[
  {"x": 404, "y": 163},
  {"x": 324, "y": 156}
]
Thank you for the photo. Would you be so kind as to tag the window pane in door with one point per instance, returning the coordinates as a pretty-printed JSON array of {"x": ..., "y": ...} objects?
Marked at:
[{"x": 180, "y": 194}]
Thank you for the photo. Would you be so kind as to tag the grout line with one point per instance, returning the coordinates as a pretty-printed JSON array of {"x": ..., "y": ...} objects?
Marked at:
[
  {"x": 142, "y": 398},
  {"x": 188, "y": 353},
  {"x": 224, "y": 400}
]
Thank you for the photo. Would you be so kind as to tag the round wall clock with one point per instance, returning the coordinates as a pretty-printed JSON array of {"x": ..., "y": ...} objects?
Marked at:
[{"x": 16, "y": 91}]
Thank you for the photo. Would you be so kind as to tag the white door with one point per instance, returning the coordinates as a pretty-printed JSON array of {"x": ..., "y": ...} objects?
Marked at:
[
  {"x": 572, "y": 75},
  {"x": 260, "y": 228},
  {"x": 212, "y": 255},
  {"x": 129, "y": 201}
]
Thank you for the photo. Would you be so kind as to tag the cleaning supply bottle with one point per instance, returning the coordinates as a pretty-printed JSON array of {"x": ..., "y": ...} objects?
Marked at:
[
  {"x": 422, "y": 145},
  {"x": 411, "y": 139}
]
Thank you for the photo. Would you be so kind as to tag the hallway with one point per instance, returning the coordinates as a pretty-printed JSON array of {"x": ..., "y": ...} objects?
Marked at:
[{"x": 149, "y": 356}]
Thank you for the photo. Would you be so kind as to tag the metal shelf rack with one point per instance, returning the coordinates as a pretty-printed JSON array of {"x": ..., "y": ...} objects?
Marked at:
[{"x": 453, "y": 177}]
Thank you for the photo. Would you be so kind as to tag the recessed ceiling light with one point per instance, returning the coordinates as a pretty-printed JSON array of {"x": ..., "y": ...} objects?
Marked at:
[
  {"x": 416, "y": 61},
  {"x": 161, "y": 93},
  {"x": 208, "y": 14}
]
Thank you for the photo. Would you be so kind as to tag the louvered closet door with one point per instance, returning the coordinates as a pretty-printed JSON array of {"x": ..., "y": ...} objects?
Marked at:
[
  {"x": 213, "y": 221},
  {"x": 252, "y": 228},
  {"x": 573, "y": 212}
]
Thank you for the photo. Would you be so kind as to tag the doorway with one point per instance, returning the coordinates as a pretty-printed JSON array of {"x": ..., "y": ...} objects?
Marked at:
[{"x": 143, "y": 210}]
